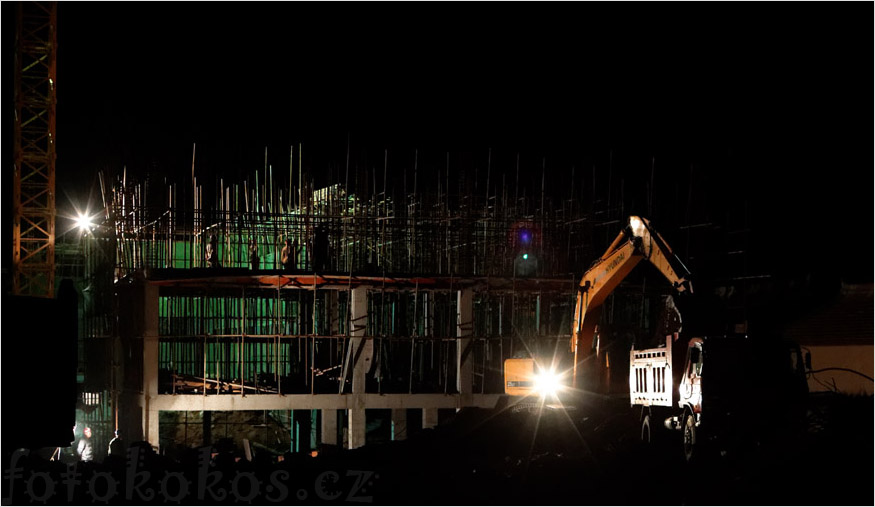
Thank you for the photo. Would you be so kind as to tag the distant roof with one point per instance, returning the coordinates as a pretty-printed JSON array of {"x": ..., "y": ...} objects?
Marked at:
[{"x": 849, "y": 320}]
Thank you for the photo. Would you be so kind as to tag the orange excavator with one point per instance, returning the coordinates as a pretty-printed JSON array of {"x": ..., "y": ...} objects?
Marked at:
[
  {"x": 636, "y": 242},
  {"x": 746, "y": 378}
]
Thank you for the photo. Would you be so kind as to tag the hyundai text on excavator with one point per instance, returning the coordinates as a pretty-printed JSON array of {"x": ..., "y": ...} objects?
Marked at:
[{"x": 752, "y": 391}]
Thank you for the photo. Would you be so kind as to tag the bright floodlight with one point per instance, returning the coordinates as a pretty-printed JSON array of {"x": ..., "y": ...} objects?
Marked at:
[
  {"x": 83, "y": 222},
  {"x": 547, "y": 383}
]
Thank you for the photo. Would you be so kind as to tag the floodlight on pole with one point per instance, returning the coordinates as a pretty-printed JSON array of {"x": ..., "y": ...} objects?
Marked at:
[{"x": 84, "y": 223}]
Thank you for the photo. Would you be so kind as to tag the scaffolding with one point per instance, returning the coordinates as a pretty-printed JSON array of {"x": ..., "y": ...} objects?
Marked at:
[
  {"x": 337, "y": 232},
  {"x": 416, "y": 297},
  {"x": 247, "y": 339},
  {"x": 235, "y": 319},
  {"x": 265, "y": 295}
]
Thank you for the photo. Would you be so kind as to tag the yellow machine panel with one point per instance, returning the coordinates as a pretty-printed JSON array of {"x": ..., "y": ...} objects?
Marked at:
[{"x": 519, "y": 377}]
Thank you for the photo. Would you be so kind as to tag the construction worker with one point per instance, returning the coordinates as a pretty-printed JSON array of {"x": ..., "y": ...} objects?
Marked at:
[
  {"x": 253, "y": 254},
  {"x": 85, "y": 449},
  {"x": 117, "y": 445},
  {"x": 213, "y": 252},
  {"x": 289, "y": 255}
]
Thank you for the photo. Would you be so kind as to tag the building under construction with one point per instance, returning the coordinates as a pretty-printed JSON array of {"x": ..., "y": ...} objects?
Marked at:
[
  {"x": 300, "y": 317},
  {"x": 307, "y": 310},
  {"x": 302, "y": 307}
]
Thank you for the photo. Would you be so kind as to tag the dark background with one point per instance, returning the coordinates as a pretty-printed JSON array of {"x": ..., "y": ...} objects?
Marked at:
[
  {"x": 763, "y": 106},
  {"x": 767, "y": 105}
]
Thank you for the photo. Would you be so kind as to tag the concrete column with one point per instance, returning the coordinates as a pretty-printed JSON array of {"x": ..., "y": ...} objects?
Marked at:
[
  {"x": 362, "y": 357},
  {"x": 357, "y": 427},
  {"x": 362, "y": 349},
  {"x": 329, "y": 426},
  {"x": 152, "y": 435},
  {"x": 464, "y": 345},
  {"x": 399, "y": 423},
  {"x": 150, "y": 362},
  {"x": 429, "y": 418}
]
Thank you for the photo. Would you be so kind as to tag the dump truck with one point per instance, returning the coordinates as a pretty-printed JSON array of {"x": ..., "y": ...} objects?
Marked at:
[{"x": 723, "y": 393}]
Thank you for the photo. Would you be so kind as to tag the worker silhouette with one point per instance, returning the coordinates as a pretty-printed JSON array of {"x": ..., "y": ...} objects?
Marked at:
[
  {"x": 213, "y": 252},
  {"x": 289, "y": 255},
  {"x": 254, "y": 260},
  {"x": 117, "y": 446}
]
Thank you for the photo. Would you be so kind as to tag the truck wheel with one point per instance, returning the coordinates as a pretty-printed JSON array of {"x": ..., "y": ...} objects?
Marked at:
[
  {"x": 690, "y": 448},
  {"x": 646, "y": 435}
]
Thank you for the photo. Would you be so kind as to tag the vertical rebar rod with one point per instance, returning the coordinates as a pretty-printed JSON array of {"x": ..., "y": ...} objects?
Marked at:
[
  {"x": 204, "y": 336},
  {"x": 650, "y": 193},
  {"x": 516, "y": 188},
  {"x": 488, "y": 174},
  {"x": 242, "y": 347}
]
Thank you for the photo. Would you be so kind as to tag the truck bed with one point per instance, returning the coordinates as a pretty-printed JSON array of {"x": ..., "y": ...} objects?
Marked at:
[{"x": 650, "y": 377}]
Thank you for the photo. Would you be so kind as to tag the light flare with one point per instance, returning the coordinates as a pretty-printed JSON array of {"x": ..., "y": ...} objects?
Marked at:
[
  {"x": 84, "y": 222},
  {"x": 548, "y": 383}
]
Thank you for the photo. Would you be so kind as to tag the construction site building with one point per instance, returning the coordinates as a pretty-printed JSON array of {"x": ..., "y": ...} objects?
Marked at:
[{"x": 405, "y": 310}]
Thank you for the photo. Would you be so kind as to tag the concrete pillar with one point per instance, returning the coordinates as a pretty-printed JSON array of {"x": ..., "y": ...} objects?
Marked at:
[
  {"x": 464, "y": 344},
  {"x": 362, "y": 357},
  {"x": 152, "y": 435},
  {"x": 357, "y": 427},
  {"x": 429, "y": 418},
  {"x": 362, "y": 349},
  {"x": 329, "y": 426},
  {"x": 150, "y": 361},
  {"x": 399, "y": 423}
]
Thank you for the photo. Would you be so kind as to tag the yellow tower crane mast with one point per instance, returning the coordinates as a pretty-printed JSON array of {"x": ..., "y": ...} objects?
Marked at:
[{"x": 33, "y": 259}]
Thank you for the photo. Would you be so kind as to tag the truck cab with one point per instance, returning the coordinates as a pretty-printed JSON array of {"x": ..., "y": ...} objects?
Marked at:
[{"x": 733, "y": 392}]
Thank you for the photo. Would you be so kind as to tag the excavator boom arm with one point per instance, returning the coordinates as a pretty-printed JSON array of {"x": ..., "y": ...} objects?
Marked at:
[{"x": 637, "y": 242}]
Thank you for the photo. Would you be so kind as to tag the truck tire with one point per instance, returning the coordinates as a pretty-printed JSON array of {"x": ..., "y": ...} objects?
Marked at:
[{"x": 691, "y": 449}]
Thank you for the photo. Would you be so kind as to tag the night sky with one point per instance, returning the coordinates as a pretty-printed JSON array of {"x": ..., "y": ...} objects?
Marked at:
[{"x": 768, "y": 103}]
